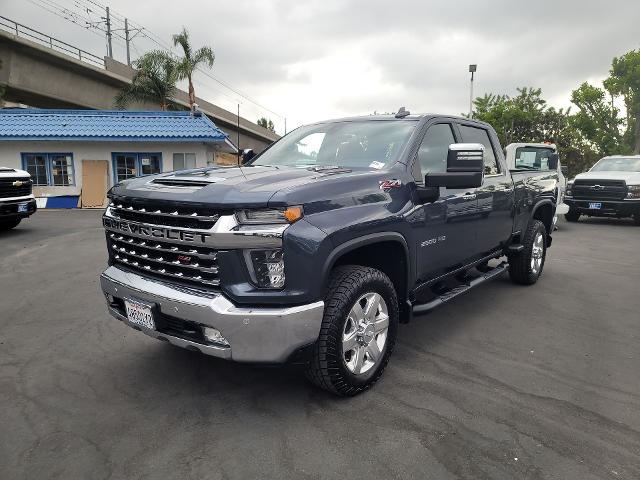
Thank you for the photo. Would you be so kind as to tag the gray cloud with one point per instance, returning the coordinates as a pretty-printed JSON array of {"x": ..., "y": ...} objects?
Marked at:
[{"x": 317, "y": 58}]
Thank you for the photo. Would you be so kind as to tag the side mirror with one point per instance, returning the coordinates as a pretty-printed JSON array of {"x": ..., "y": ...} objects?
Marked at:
[
  {"x": 465, "y": 167},
  {"x": 565, "y": 170},
  {"x": 554, "y": 159},
  {"x": 247, "y": 155}
]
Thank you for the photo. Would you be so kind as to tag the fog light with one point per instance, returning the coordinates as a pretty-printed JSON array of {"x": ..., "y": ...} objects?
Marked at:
[
  {"x": 268, "y": 267},
  {"x": 214, "y": 336}
]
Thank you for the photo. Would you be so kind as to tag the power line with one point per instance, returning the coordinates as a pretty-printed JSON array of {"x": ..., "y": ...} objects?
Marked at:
[
  {"x": 82, "y": 16},
  {"x": 161, "y": 43}
]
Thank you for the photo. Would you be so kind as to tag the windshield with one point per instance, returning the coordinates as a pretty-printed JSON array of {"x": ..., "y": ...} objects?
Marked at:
[
  {"x": 533, "y": 158},
  {"x": 360, "y": 144},
  {"x": 618, "y": 164}
]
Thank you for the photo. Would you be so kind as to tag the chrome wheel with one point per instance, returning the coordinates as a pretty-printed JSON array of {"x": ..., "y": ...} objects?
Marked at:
[
  {"x": 365, "y": 333},
  {"x": 537, "y": 252}
]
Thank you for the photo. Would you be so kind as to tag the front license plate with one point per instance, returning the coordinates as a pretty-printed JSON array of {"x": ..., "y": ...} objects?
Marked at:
[
  {"x": 595, "y": 206},
  {"x": 23, "y": 207},
  {"x": 139, "y": 314}
]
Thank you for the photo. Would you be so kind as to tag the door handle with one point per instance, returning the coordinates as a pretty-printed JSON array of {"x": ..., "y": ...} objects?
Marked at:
[{"x": 469, "y": 196}]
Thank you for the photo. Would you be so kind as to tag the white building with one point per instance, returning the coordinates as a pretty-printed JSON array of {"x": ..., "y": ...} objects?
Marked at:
[{"x": 75, "y": 156}]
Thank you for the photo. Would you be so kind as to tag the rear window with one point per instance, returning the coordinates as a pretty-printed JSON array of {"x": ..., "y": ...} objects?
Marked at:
[
  {"x": 533, "y": 158},
  {"x": 480, "y": 135}
]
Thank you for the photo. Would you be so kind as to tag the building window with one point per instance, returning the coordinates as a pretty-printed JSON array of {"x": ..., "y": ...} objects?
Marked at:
[
  {"x": 50, "y": 169},
  {"x": 130, "y": 165},
  {"x": 184, "y": 161}
]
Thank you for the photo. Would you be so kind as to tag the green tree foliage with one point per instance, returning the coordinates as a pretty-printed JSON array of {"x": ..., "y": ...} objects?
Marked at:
[
  {"x": 265, "y": 123},
  {"x": 154, "y": 81},
  {"x": 191, "y": 60},
  {"x": 624, "y": 80},
  {"x": 597, "y": 120},
  {"x": 527, "y": 117}
]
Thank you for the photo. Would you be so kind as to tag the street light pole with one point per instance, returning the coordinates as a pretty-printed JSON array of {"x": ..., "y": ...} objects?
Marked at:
[{"x": 472, "y": 69}]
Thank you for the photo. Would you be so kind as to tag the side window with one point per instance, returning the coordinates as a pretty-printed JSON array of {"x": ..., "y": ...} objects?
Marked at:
[
  {"x": 480, "y": 135},
  {"x": 432, "y": 154}
]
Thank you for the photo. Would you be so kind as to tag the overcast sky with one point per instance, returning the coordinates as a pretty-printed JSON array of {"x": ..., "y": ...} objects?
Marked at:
[{"x": 315, "y": 59}]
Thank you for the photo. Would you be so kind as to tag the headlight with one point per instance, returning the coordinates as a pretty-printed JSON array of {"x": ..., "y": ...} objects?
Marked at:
[
  {"x": 267, "y": 216},
  {"x": 567, "y": 190},
  {"x": 633, "y": 192},
  {"x": 266, "y": 268}
]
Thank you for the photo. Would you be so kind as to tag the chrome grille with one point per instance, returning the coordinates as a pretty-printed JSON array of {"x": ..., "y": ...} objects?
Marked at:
[
  {"x": 599, "y": 190},
  {"x": 197, "y": 266},
  {"x": 8, "y": 189},
  {"x": 164, "y": 214}
]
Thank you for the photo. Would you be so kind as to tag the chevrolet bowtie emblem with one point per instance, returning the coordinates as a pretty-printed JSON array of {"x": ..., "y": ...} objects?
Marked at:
[{"x": 18, "y": 183}]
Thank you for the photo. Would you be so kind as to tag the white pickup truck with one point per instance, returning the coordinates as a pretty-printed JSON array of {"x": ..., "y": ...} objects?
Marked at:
[
  {"x": 16, "y": 197},
  {"x": 535, "y": 156}
]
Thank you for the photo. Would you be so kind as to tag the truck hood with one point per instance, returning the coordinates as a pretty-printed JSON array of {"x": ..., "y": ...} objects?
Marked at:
[
  {"x": 246, "y": 187},
  {"x": 12, "y": 172},
  {"x": 629, "y": 177}
]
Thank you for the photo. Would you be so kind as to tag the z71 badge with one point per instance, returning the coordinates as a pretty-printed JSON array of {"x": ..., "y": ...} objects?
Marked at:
[{"x": 388, "y": 184}]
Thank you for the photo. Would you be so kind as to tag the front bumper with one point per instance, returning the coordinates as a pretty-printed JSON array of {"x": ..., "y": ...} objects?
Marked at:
[
  {"x": 610, "y": 208},
  {"x": 9, "y": 207},
  {"x": 266, "y": 334}
]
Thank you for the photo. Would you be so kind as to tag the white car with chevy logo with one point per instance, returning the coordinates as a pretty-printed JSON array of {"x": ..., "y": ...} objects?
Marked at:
[
  {"x": 611, "y": 188},
  {"x": 16, "y": 197}
]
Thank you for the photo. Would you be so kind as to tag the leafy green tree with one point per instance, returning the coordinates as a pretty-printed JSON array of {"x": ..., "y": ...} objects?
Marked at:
[
  {"x": 528, "y": 118},
  {"x": 154, "y": 81},
  {"x": 624, "y": 80},
  {"x": 265, "y": 123},
  {"x": 191, "y": 60},
  {"x": 598, "y": 120}
]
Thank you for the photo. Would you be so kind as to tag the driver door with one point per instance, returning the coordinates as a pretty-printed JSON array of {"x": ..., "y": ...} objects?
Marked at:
[{"x": 444, "y": 230}]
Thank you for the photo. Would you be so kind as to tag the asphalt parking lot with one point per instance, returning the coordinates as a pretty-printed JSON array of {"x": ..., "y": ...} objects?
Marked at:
[{"x": 506, "y": 382}]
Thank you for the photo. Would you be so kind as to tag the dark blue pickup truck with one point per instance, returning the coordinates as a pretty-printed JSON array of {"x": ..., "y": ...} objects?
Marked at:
[{"x": 317, "y": 249}]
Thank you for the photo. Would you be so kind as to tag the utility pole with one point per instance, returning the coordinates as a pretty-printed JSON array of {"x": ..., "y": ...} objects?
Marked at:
[
  {"x": 109, "y": 48},
  {"x": 472, "y": 69},
  {"x": 126, "y": 39},
  {"x": 239, "y": 154}
]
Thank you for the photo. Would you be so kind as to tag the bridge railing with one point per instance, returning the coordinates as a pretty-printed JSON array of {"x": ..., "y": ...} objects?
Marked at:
[{"x": 23, "y": 31}]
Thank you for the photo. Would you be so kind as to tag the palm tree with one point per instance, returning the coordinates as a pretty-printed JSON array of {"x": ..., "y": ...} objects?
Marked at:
[
  {"x": 191, "y": 60},
  {"x": 154, "y": 81}
]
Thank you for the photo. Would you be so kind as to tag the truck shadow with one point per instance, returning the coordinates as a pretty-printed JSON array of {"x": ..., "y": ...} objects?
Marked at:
[{"x": 167, "y": 371}]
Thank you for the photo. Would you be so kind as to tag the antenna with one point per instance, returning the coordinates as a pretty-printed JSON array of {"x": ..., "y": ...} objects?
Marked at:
[{"x": 402, "y": 112}]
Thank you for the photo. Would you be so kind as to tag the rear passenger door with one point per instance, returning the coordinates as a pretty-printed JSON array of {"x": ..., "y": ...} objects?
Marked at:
[{"x": 495, "y": 196}]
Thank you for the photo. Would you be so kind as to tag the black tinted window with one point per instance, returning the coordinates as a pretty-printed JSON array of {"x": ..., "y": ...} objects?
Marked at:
[
  {"x": 432, "y": 153},
  {"x": 480, "y": 135}
]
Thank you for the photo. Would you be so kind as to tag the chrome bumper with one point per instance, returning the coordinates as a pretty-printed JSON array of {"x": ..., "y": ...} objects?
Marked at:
[{"x": 254, "y": 334}]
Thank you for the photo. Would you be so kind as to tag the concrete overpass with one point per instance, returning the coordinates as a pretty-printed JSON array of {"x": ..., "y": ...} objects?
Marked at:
[{"x": 38, "y": 74}]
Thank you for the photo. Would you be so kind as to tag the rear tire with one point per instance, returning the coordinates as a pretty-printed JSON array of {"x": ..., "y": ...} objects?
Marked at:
[
  {"x": 636, "y": 219},
  {"x": 9, "y": 224},
  {"x": 358, "y": 331},
  {"x": 526, "y": 266},
  {"x": 572, "y": 216}
]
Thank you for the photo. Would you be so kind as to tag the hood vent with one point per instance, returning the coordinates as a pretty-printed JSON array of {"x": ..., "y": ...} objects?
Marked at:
[{"x": 181, "y": 182}]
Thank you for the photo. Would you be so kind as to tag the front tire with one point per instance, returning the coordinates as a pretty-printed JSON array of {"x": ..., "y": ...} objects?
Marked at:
[
  {"x": 9, "y": 224},
  {"x": 572, "y": 216},
  {"x": 526, "y": 267},
  {"x": 358, "y": 331},
  {"x": 636, "y": 219}
]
